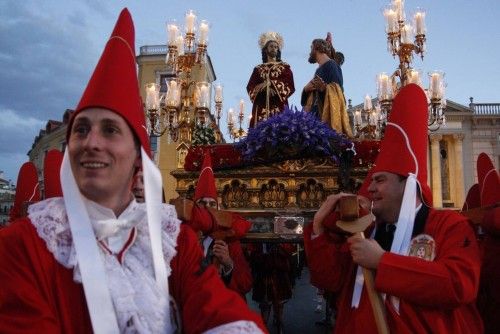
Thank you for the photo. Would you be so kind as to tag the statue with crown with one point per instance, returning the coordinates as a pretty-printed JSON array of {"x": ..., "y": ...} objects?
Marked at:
[{"x": 289, "y": 160}]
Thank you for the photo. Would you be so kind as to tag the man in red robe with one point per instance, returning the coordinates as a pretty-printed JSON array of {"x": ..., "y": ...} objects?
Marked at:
[
  {"x": 220, "y": 245},
  {"x": 27, "y": 191},
  {"x": 51, "y": 177},
  {"x": 95, "y": 260},
  {"x": 271, "y": 82},
  {"x": 489, "y": 290},
  {"x": 426, "y": 260}
]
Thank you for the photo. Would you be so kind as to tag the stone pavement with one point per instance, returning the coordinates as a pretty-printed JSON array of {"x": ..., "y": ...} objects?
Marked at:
[{"x": 299, "y": 315}]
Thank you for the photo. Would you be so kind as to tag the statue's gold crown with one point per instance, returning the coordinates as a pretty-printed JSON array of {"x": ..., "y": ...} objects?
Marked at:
[{"x": 270, "y": 36}]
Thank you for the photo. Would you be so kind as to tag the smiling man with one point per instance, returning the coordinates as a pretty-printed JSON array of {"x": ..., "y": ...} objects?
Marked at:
[
  {"x": 95, "y": 260},
  {"x": 426, "y": 260}
]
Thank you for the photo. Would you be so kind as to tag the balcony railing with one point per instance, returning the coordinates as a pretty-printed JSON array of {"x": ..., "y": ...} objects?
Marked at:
[{"x": 485, "y": 108}]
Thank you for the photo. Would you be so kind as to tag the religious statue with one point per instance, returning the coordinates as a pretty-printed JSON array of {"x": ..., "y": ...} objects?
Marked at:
[
  {"x": 324, "y": 94},
  {"x": 271, "y": 82}
]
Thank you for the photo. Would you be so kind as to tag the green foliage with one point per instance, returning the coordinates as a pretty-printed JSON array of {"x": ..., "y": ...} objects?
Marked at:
[{"x": 203, "y": 136}]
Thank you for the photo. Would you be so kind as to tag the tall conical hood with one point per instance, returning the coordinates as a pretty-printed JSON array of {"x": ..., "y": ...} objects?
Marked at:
[
  {"x": 27, "y": 190},
  {"x": 51, "y": 174},
  {"x": 473, "y": 199},
  {"x": 114, "y": 84},
  {"x": 404, "y": 147},
  {"x": 206, "y": 182},
  {"x": 488, "y": 179}
]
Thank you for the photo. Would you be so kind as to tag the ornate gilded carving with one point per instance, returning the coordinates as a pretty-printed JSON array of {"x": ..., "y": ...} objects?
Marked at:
[
  {"x": 259, "y": 190},
  {"x": 235, "y": 195},
  {"x": 273, "y": 195},
  {"x": 310, "y": 194}
]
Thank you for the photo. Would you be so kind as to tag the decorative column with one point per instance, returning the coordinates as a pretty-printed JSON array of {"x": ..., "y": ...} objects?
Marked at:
[
  {"x": 436, "y": 171},
  {"x": 459, "y": 171}
]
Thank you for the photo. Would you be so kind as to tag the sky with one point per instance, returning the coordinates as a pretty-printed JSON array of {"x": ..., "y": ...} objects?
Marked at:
[{"x": 48, "y": 50}]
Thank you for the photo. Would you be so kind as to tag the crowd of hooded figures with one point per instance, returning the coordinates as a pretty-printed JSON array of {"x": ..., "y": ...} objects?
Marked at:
[{"x": 102, "y": 253}]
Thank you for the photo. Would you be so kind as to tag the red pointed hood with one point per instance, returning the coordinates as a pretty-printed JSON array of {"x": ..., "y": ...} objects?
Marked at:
[
  {"x": 206, "y": 182},
  {"x": 51, "y": 174},
  {"x": 473, "y": 199},
  {"x": 488, "y": 179},
  {"x": 27, "y": 190},
  {"x": 404, "y": 147},
  {"x": 114, "y": 84}
]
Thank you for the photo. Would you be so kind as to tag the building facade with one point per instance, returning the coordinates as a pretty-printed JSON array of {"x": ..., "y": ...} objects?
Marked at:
[
  {"x": 52, "y": 137},
  {"x": 7, "y": 192}
]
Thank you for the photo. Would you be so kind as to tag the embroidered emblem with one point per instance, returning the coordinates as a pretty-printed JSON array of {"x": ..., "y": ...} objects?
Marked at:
[{"x": 423, "y": 246}]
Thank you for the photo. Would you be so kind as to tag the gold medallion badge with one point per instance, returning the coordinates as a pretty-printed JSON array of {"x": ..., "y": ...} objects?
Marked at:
[{"x": 423, "y": 246}]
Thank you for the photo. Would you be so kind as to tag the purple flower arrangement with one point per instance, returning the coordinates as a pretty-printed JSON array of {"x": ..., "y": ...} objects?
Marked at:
[{"x": 292, "y": 134}]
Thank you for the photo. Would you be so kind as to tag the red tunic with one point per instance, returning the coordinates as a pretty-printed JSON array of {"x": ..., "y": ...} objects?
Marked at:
[
  {"x": 488, "y": 300},
  {"x": 281, "y": 86},
  {"x": 38, "y": 295},
  {"x": 435, "y": 296},
  {"x": 241, "y": 276}
]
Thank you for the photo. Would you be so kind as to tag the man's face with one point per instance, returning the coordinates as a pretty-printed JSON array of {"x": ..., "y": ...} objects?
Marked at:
[
  {"x": 207, "y": 202},
  {"x": 138, "y": 187},
  {"x": 312, "y": 55},
  {"x": 272, "y": 49},
  {"x": 386, "y": 191},
  {"x": 103, "y": 155}
]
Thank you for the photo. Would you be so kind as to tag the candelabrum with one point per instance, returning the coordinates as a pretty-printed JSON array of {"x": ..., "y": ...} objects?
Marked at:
[
  {"x": 236, "y": 131},
  {"x": 405, "y": 39},
  {"x": 185, "y": 105},
  {"x": 369, "y": 122}
]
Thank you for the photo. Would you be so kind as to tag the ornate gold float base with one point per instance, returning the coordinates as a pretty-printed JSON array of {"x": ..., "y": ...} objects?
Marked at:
[{"x": 261, "y": 193}]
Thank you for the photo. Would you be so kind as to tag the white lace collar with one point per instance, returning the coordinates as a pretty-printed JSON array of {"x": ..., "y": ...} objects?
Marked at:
[{"x": 132, "y": 285}]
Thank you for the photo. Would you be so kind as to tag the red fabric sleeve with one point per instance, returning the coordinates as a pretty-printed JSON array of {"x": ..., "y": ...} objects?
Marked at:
[
  {"x": 240, "y": 226},
  {"x": 201, "y": 220},
  {"x": 241, "y": 277},
  {"x": 254, "y": 80},
  {"x": 203, "y": 299},
  {"x": 451, "y": 280},
  {"x": 23, "y": 306},
  {"x": 329, "y": 263},
  {"x": 37, "y": 294}
]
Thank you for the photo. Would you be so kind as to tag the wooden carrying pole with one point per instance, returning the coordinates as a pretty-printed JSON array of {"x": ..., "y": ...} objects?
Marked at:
[{"x": 349, "y": 213}]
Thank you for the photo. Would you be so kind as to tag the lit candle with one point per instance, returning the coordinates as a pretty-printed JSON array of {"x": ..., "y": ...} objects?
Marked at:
[
  {"x": 218, "y": 93},
  {"x": 230, "y": 117},
  {"x": 172, "y": 31},
  {"x": 203, "y": 32},
  {"x": 368, "y": 103},
  {"x": 407, "y": 34},
  {"x": 390, "y": 16},
  {"x": 151, "y": 96},
  {"x": 414, "y": 77},
  {"x": 203, "y": 96},
  {"x": 242, "y": 107},
  {"x": 179, "y": 41},
  {"x": 420, "y": 22},
  {"x": 383, "y": 86},
  {"x": 171, "y": 93},
  {"x": 435, "y": 85},
  {"x": 190, "y": 19},
  {"x": 399, "y": 8},
  {"x": 357, "y": 117}
]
